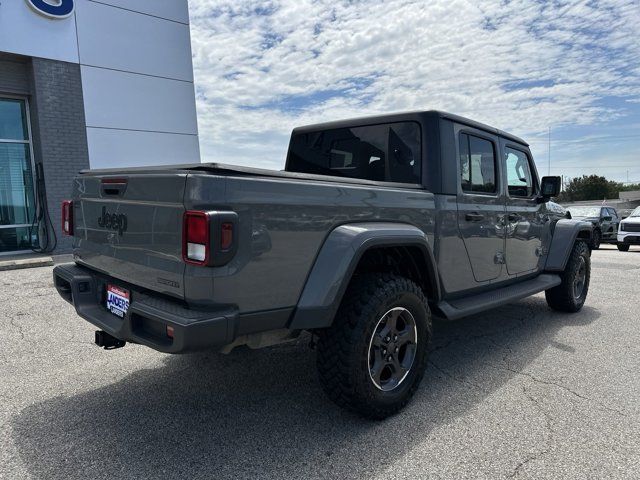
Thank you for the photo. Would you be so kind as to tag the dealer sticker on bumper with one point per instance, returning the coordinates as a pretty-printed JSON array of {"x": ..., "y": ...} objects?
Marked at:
[{"x": 117, "y": 300}]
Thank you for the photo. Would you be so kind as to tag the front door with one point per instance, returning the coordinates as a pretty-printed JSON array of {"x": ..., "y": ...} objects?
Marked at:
[
  {"x": 524, "y": 224},
  {"x": 480, "y": 203},
  {"x": 17, "y": 203}
]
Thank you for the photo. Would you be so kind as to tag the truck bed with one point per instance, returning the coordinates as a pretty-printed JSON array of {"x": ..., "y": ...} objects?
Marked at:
[
  {"x": 283, "y": 219},
  {"x": 224, "y": 169}
]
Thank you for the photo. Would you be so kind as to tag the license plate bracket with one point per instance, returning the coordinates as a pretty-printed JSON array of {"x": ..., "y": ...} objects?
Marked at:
[{"x": 118, "y": 300}]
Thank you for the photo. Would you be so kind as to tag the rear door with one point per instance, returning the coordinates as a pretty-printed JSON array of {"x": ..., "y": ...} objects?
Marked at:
[
  {"x": 480, "y": 202},
  {"x": 524, "y": 221},
  {"x": 130, "y": 227}
]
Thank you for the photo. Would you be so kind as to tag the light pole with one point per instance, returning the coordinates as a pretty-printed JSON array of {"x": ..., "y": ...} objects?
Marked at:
[{"x": 549, "y": 155}]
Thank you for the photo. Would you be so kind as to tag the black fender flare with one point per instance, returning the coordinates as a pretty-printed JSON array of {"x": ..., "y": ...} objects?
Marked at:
[
  {"x": 337, "y": 260},
  {"x": 564, "y": 237}
]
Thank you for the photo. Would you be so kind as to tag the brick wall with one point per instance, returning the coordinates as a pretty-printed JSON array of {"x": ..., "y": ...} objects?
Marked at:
[
  {"x": 14, "y": 75},
  {"x": 59, "y": 132}
]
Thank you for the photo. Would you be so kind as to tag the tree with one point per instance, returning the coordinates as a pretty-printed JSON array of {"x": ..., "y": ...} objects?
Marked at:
[
  {"x": 590, "y": 187},
  {"x": 630, "y": 187}
]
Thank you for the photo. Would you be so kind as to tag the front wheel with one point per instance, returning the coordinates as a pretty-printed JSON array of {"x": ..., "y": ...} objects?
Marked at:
[
  {"x": 597, "y": 240},
  {"x": 623, "y": 247},
  {"x": 571, "y": 294},
  {"x": 372, "y": 359}
]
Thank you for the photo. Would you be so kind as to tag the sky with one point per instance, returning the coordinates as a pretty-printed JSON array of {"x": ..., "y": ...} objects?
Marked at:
[{"x": 524, "y": 66}]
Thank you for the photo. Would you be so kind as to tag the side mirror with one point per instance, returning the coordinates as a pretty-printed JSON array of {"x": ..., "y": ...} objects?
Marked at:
[
  {"x": 550, "y": 187},
  {"x": 607, "y": 218}
]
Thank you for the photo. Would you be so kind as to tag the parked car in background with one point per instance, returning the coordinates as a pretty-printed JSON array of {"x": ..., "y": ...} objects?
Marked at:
[
  {"x": 605, "y": 222},
  {"x": 624, "y": 212},
  {"x": 629, "y": 232}
]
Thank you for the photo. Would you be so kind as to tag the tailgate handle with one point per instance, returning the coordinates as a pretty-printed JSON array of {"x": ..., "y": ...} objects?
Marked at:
[
  {"x": 113, "y": 186},
  {"x": 474, "y": 217}
]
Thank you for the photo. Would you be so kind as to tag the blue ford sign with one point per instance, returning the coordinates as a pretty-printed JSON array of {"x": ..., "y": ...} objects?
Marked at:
[{"x": 52, "y": 8}]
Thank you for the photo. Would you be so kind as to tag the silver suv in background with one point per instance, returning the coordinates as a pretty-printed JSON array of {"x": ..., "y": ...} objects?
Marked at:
[{"x": 629, "y": 232}]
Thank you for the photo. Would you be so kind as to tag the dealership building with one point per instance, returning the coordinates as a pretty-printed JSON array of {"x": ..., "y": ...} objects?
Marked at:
[{"x": 86, "y": 84}]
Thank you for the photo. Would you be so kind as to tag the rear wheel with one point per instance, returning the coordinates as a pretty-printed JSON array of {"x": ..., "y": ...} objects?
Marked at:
[
  {"x": 596, "y": 240},
  {"x": 623, "y": 247},
  {"x": 372, "y": 359},
  {"x": 571, "y": 294}
]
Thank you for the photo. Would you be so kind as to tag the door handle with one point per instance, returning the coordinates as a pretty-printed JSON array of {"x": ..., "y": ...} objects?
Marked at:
[
  {"x": 514, "y": 217},
  {"x": 473, "y": 217}
]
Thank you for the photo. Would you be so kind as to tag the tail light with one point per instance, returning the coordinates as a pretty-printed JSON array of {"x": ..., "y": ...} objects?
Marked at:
[
  {"x": 208, "y": 238},
  {"x": 67, "y": 217},
  {"x": 196, "y": 238}
]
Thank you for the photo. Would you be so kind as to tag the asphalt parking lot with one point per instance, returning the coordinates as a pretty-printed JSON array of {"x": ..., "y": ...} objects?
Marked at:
[{"x": 519, "y": 392}]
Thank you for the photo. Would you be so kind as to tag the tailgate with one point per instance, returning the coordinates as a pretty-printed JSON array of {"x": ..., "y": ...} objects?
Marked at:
[{"x": 130, "y": 227}]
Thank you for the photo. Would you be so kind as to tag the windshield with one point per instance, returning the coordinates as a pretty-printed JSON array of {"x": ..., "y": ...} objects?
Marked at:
[
  {"x": 636, "y": 212},
  {"x": 585, "y": 212}
]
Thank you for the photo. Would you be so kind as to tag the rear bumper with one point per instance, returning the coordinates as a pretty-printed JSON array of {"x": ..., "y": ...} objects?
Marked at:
[
  {"x": 148, "y": 316},
  {"x": 630, "y": 238}
]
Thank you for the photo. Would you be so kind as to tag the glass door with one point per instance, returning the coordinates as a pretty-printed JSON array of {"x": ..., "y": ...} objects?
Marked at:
[{"x": 17, "y": 199}]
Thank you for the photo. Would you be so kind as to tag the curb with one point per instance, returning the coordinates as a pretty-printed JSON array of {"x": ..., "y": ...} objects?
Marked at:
[{"x": 18, "y": 264}]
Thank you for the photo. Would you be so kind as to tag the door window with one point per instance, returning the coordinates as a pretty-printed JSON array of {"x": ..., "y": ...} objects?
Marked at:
[
  {"x": 17, "y": 203},
  {"x": 477, "y": 165},
  {"x": 520, "y": 179}
]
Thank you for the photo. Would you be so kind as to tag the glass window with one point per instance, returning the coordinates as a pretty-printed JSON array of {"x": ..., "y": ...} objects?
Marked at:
[
  {"x": 17, "y": 238},
  {"x": 17, "y": 200},
  {"x": 16, "y": 184},
  {"x": 13, "y": 120},
  {"x": 519, "y": 176},
  {"x": 613, "y": 213},
  {"x": 584, "y": 212},
  {"x": 390, "y": 152},
  {"x": 477, "y": 164}
]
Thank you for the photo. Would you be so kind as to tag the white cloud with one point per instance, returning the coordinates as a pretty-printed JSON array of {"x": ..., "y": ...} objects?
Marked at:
[{"x": 263, "y": 68}]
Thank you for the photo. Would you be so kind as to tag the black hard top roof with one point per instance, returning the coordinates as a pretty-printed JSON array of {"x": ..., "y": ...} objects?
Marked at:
[{"x": 406, "y": 116}]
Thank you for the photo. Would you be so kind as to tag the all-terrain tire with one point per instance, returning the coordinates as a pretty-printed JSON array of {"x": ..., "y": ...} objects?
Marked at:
[
  {"x": 623, "y": 247},
  {"x": 345, "y": 349},
  {"x": 571, "y": 294},
  {"x": 596, "y": 240}
]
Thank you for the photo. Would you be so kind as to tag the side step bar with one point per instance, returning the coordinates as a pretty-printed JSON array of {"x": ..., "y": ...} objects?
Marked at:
[{"x": 463, "y": 307}]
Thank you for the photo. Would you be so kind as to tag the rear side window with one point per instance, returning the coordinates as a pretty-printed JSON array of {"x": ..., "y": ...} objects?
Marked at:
[
  {"x": 477, "y": 164},
  {"x": 519, "y": 177},
  {"x": 389, "y": 152}
]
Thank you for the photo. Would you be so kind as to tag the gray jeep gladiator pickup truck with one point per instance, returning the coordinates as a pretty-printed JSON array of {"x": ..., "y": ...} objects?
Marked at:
[{"x": 375, "y": 226}]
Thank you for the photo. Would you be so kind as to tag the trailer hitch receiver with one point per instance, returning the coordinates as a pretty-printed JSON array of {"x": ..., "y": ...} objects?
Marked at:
[{"x": 108, "y": 342}]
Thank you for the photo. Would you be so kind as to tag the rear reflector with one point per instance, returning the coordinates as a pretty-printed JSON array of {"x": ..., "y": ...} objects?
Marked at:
[
  {"x": 67, "y": 217},
  {"x": 196, "y": 243},
  {"x": 170, "y": 331},
  {"x": 226, "y": 240}
]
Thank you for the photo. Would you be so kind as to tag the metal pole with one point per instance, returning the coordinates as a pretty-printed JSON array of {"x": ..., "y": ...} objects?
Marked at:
[{"x": 549, "y": 157}]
